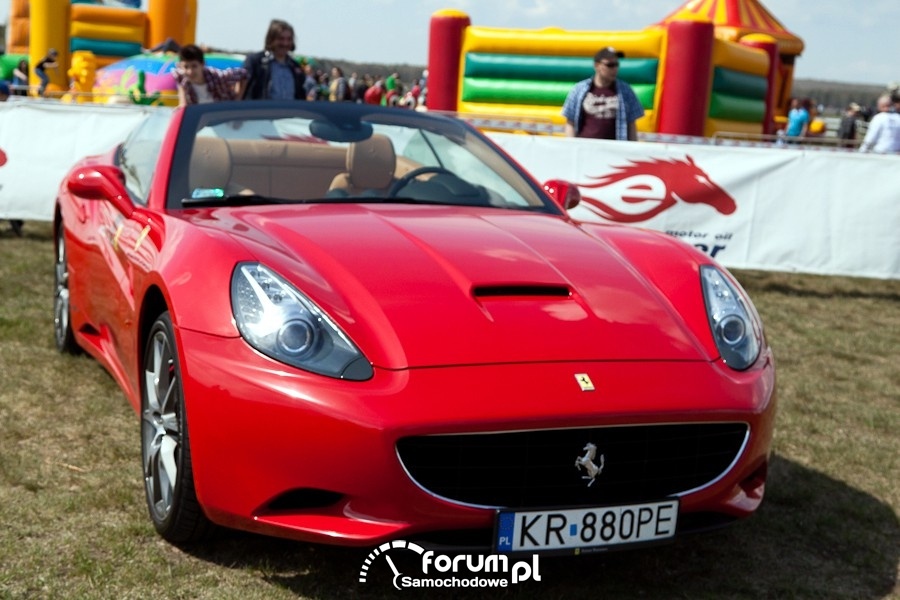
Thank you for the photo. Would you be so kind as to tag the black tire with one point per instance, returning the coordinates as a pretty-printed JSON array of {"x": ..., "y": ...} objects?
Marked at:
[
  {"x": 62, "y": 311},
  {"x": 165, "y": 442}
]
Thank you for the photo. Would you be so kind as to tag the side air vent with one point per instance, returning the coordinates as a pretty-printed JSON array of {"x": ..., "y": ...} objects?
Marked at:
[{"x": 302, "y": 499}]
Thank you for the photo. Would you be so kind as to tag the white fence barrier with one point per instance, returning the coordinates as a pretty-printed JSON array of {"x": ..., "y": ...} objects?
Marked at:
[{"x": 830, "y": 213}]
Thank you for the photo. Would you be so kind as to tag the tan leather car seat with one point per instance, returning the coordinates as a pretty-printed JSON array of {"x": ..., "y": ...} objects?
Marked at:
[
  {"x": 211, "y": 169},
  {"x": 370, "y": 169}
]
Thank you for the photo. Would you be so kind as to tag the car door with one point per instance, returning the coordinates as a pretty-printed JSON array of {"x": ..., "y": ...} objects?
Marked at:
[{"x": 129, "y": 244}]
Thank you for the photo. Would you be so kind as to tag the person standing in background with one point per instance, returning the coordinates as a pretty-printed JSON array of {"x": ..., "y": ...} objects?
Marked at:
[
  {"x": 273, "y": 74},
  {"x": 883, "y": 133},
  {"x": 847, "y": 128},
  {"x": 338, "y": 88},
  {"x": 375, "y": 93},
  {"x": 40, "y": 69},
  {"x": 198, "y": 83},
  {"x": 16, "y": 224},
  {"x": 362, "y": 86},
  {"x": 20, "y": 78},
  {"x": 603, "y": 106},
  {"x": 797, "y": 120}
]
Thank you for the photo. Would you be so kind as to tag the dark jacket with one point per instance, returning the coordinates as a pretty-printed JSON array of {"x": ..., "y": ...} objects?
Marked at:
[{"x": 259, "y": 73}]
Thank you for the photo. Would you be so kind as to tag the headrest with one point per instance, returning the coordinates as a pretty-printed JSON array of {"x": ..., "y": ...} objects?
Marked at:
[
  {"x": 210, "y": 164},
  {"x": 371, "y": 162}
]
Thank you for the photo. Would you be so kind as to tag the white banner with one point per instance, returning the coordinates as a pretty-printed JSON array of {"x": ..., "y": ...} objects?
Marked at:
[
  {"x": 781, "y": 209},
  {"x": 784, "y": 209},
  {"x": 40, "y": 140}
]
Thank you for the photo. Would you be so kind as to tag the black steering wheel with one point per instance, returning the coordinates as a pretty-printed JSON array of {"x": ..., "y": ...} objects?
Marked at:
[{"x": 408, "y": 177}]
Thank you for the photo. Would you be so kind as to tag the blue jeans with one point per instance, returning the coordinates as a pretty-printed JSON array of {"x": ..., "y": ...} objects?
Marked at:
[{"x": 44, "y": 80}]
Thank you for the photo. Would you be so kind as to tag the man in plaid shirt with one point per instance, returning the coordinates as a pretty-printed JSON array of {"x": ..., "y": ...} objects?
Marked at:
[
  {"x": 603, "y": 106},
  {"x": 198, "y": 83}
]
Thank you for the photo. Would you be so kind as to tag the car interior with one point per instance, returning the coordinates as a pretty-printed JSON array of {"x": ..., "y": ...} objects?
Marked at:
[{"x": 294, "y": 170}]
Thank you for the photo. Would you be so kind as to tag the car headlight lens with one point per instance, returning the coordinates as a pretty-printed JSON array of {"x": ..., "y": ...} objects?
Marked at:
[
  {"x": 279, "y": 321},
  {"x": 735, "y": 325}
]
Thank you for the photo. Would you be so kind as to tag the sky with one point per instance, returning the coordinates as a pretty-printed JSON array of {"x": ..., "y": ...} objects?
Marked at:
[{"x": 844, "y": 41}]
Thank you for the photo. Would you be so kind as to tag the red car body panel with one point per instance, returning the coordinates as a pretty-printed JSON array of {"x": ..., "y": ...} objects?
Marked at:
[
  {"x": 420, "y": 254},
  {"x": 361, "y": 425},
  {"x": 474, "y": 319}
]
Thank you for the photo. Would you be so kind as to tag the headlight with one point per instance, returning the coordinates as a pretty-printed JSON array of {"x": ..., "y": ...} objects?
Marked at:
[
  {"x": 735, "y": 324},
  {"x": 276, "y": 319}
]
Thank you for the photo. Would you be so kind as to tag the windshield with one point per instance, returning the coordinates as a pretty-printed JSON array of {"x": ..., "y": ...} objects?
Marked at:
[{"x": 257, "y": 154}]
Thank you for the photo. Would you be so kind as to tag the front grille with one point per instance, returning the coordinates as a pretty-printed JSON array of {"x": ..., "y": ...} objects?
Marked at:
[{"x": 530, "y": 469}]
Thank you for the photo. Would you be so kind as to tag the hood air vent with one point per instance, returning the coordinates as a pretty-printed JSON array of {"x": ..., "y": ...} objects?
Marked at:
[{"x": 521, "y": 291}]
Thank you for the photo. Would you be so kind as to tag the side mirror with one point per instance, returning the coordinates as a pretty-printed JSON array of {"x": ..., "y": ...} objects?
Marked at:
[
  {"x": 564, "y": 193},
  {"x": 102, "y": 182}
]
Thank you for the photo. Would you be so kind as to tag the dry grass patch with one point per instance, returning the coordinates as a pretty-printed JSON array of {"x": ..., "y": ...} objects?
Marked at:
[{"x": 73, "y": 522}]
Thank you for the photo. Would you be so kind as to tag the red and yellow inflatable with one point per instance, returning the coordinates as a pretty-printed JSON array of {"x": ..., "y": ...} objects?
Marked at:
[
  {"x": 710, "y": 66},
  {"x": 110, "y": 33}
]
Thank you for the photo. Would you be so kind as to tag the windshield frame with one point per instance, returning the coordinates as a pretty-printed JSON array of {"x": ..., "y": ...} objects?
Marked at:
[{"x": 349, "y": 122}]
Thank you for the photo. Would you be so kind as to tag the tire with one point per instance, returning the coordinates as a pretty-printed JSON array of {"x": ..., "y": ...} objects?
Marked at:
[
  {"x": 165, "y": 442},
  {"x": 62, "y": 311}
]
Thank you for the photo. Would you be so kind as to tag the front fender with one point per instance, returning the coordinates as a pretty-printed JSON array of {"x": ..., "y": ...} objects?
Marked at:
[
  {"x": 193, "y": 275},
  {"x": 668, "y": 265}
]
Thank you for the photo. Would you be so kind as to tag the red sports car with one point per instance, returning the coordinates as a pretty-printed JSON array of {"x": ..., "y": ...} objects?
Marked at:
[{"x": 350, "y": 324}]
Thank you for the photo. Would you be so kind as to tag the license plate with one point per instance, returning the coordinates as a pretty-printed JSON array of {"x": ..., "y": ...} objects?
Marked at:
[{"x": 585, "y": 528}]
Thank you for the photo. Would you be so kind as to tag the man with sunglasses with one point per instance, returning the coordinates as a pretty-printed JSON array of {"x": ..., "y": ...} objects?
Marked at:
[{"x": 603, "y": 106}]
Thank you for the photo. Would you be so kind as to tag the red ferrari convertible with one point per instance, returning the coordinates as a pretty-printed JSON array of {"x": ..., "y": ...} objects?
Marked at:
[{"x": 351, "y": 324}]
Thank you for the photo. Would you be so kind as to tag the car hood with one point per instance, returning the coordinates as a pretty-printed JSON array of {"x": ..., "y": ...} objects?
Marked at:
[{"x": 418, "y": 286}]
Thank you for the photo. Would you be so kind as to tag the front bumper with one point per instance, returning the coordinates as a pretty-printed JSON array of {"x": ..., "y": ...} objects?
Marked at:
[{"x": 282, "y": 452}]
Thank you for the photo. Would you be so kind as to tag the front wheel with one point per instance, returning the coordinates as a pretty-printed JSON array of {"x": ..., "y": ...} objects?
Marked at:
[
  {"x": 62, "y": 321},
  {"x": 165, "y": 443}
]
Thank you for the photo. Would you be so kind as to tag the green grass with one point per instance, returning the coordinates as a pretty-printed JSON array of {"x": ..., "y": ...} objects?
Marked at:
[{"x": 73, "y": 522}]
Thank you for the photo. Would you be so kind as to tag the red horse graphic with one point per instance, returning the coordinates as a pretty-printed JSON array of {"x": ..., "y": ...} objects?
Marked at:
[{"x": 682, "y": 180}]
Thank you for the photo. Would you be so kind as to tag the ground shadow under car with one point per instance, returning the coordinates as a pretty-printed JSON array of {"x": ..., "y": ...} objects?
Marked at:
[{"x": 813, "y": 537}]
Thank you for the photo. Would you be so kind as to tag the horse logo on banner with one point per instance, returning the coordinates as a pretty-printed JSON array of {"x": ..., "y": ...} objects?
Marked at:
[{"x": 651, "y": 187}]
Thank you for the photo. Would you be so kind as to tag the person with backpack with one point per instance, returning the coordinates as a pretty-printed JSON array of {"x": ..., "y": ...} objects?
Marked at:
[{"x": 273, "y": 74}]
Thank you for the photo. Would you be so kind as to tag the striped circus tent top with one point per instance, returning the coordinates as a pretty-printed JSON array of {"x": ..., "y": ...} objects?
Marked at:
[{"x": 733, "y": 19}]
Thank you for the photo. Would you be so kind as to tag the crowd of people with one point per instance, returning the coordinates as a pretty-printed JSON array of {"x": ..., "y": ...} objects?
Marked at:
[
  {"x": 270, "y": 74},
  {"x": 274, "y": 74},
  {"x": 602, "y": 106},
  {"x": 882, "y": 131},
  {"x": 605, "y": 107}
]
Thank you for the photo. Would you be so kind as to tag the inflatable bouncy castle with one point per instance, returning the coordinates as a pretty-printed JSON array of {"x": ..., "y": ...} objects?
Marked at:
[
  {"x": 147, "y": 78},
  {"x": 710, "y": 66},
  {"x": 109, "y": 29}
]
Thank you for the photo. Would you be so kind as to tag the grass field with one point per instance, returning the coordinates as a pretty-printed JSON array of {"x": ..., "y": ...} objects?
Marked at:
[{"x": 73, "y": 521}]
